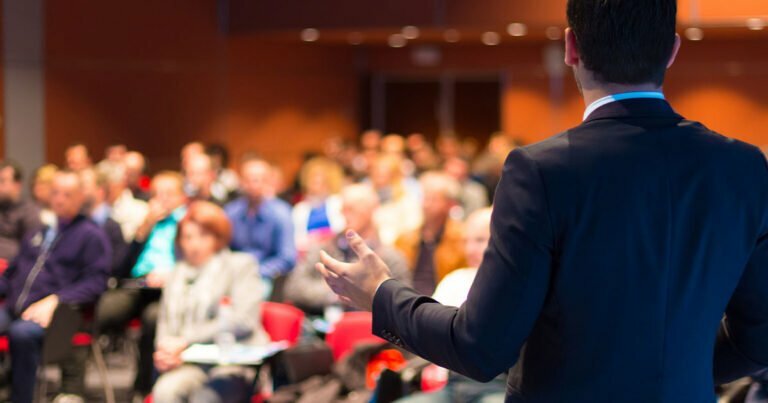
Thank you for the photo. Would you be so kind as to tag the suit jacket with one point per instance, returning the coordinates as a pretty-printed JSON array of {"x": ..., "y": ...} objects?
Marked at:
[
  {"x": 449, "y": 254},
  {"x": 616, "y": 248}
]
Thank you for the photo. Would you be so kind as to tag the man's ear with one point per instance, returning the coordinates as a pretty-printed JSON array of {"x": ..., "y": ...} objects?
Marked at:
[
  {"x": 675, "y": 49},
  {"x": 572, "y": 56}
]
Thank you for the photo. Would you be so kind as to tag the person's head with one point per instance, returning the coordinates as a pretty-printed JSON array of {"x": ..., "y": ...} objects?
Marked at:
[
  {"x": 386, "y": 170},
  {"x": 189, "y": 150},
  {"x": 321, "y": 177},
  {"x": 67, "y": 196},
  {"x": 10, "y": 182},
  {"x": 115, "y": 153},
  {"x": 41, "y": 186},
  {"x": 477, "y": 233},
  {"x": 440, "y": 194},
  {"x": 204, "y": 231},
  {"x": 219, "y": 156},
  {"x": 200, "y": 173},
  {"x": 257, "y": 179},
  {"x": 457, "y": 168},
  {"x": 135, "y": 165},
  {"x": 393, "y": 144},
  {"x": 115, "y": 178},
  {"x": 94, "y": 187},
  {"x": 78, "y": 157},
  {"x": 620, "y": 43},
  {"x": 370, "y": 140},
  {"x": 358, "y": 205},
  {"x": 168, "y": 190}
]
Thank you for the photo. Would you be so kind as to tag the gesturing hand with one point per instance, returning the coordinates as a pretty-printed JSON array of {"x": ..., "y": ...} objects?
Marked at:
[{"x": 355, "y": 283}]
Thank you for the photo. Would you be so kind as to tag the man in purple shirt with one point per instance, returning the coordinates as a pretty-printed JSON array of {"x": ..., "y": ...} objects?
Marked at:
[{"x": 63, "y": 265}]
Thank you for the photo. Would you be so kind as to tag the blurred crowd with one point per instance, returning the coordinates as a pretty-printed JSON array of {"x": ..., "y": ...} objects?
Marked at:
[{"x": 165, "y": 250}]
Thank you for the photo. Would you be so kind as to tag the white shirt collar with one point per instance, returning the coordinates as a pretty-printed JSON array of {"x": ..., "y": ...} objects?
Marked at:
[{"x": 620, "y": 97}]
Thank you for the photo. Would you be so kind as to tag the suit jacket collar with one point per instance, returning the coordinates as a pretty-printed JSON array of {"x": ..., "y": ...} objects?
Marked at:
[{"x": 634, "y": 108}]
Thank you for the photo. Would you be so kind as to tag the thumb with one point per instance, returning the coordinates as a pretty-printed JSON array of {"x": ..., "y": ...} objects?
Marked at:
[{"x": 358, "y": 245}]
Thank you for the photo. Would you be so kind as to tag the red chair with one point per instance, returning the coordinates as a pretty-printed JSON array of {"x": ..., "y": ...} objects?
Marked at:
[
  {"x": 282, "y": 321},
  {"x": 354, "y": 328}
]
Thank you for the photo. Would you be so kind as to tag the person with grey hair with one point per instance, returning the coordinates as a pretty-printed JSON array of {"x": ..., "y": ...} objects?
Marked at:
[
  {"x": 434, "y": 249},
  {"x": 126, "y": 209},
  {"x": 306, "y": 288}
]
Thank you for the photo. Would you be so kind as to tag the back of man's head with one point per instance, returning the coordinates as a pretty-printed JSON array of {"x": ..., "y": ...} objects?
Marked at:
[{"x": 624, "y": 41}]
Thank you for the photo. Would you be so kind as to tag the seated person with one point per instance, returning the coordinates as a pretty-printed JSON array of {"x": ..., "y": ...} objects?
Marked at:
[
  {"x": 67, "y": 264},
  {"x": 189, "y": 308},
  {"x": 435, "y": 249},
  {"x": 95, "y": 191},
  {"x": 453, "y": 291},
  {"x": 18, "y": 217},
  {"x": 261, "y": 223},
  {"x": 305, "y": 286},
  {"x": 149, "y": 261}
]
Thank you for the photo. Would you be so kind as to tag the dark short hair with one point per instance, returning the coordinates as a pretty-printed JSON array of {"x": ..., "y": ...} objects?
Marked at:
[
  {"x": 18, "y": 174},
  {"x": 624, "y": 41},
  {"x": 218, "y": 150}
]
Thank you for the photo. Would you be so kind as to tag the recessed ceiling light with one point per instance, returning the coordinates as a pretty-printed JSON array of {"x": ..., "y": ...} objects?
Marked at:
[
  {"x": 355, "y": 38},
  {"x": 694, "y": 33},
  {"x": 491, "y": 38},
  {"x": 397, "y": 40},
  {"x": 410, "y": 32},
  {"x": 517, "y": 29},
  {"x": 755, "y": 24},
  {"x": 310, "y": 35},
  {"x": 452, "y": 35},
  {"x": 554, "y": 33}
]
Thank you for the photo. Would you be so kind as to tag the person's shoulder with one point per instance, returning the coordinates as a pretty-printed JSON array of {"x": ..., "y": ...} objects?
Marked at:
[
  {"x": 239, "y": 260},
  {"x": 279, "y": 206},
  {"x": 236, "y": 206}
]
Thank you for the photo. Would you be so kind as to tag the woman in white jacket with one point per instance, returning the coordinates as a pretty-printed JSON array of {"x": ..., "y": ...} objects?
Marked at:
[{"x": 207, "y": 273}]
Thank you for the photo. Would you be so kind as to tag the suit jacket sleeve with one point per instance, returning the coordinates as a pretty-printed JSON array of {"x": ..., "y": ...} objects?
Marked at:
[
  {"x": 741, "y": 347},
  {"x": 483, "y": 338}
]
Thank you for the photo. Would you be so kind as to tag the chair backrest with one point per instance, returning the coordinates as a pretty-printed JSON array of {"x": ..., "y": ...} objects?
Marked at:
[
  {"x": 352, "y": 329},
  {"x": 281, "y": 321}
]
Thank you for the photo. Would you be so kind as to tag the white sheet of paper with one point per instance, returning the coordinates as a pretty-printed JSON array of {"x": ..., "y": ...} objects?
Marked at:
[{"x": 241, "y": 354}]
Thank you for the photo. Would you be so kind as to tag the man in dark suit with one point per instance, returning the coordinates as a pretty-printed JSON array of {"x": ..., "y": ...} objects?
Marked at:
[{"x": 628, "y": 257}]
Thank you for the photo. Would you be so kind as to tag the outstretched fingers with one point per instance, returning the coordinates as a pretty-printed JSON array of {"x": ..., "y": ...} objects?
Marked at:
[{"x": 358, "y": 245}]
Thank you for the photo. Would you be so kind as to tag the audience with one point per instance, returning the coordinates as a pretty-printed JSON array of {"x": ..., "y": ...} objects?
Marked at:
[
  {"x": 41, "y": 192},
  {"x": 172, "y": 265},
  {"x": 63, "y": 265},
  {"x": 95, "y": 191},
  {"x": 400, "y": 197},
  {"x": 318, "y": 216},
  {"x": 78, "y": 157},
  {"x": 473, "y": 195},
  {"x": 227, "y": 182},
  {"x": 261, "y": 223},
  {"x": 200, "y": 180},
  {"x": 125, "y": 209},
  {"x": 434, "y": 249},
  {"x": 18, "y": 217},
  {"x": 306, "y": 288},
  {"x": 135, "y": 166},
  {"x": 150, "y": 259},
  {"x": 189, "y": 310}
]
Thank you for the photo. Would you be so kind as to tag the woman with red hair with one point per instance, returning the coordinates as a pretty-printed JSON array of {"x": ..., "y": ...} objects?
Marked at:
[{"x": 207, "y": 272}]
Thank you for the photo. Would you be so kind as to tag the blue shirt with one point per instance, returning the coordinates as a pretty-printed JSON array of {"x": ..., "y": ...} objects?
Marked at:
[
  {"x": 266, "y": 233},
  {"x": 159, "y": 250}
]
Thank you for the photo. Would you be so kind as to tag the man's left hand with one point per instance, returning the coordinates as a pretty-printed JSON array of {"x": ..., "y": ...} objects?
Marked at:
[
  {"x": 355, "y": 283},
  {"x": 41, "y": 312}
]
